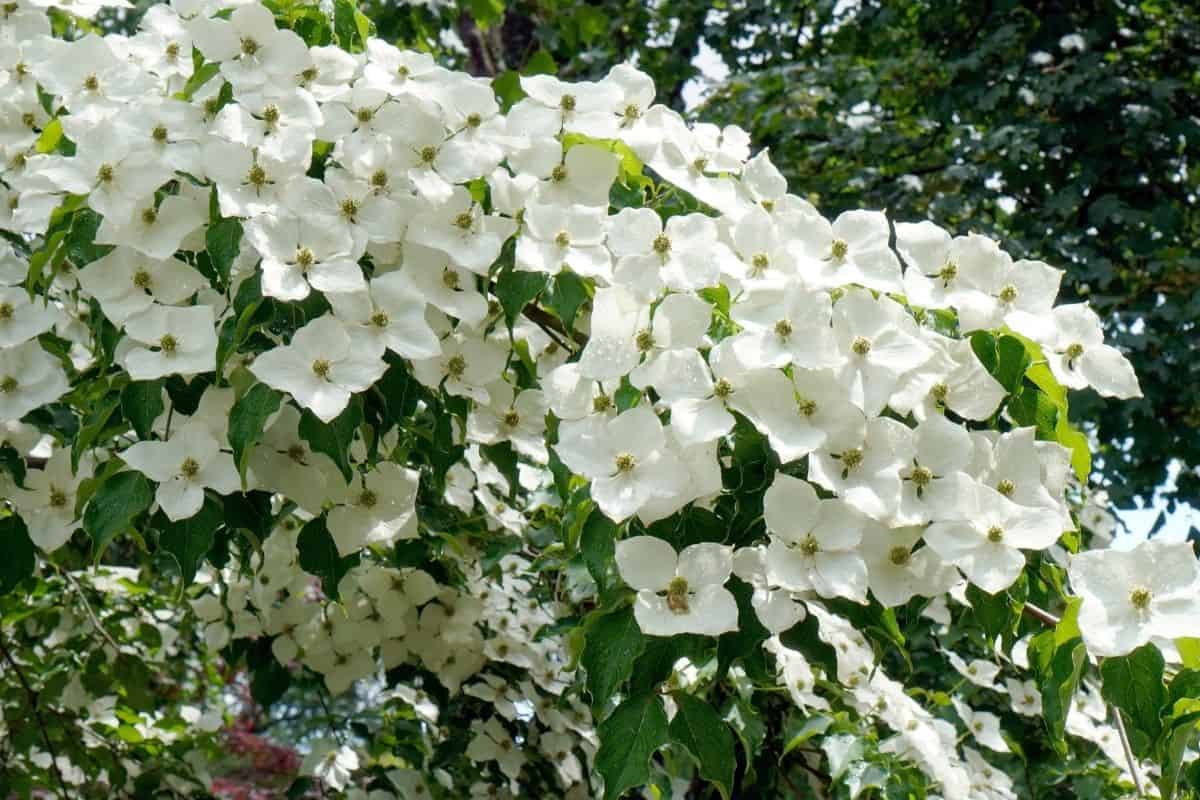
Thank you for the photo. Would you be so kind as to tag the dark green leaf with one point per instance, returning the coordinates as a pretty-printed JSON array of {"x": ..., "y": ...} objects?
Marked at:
[
  {"x": 628, "y": 738},
  {"x": 1134, "y": 684},
  {"x": 188, "y": 540},
  {"x": 18, "y": 561},
  {"x": 319, "y": 556},
  {"x": 93, "y": 425},
  {"x": 746, "y": 640},
  {"x": 247, "y": 420},
  {"x": 613, "y": 642},
  {"x": 597, "y": 544},
  {"x": 701, "y": 730},
  {"x": 565, "y": 295},
  {"x": 1058, "y": 667},
  {"x": 515, "y": 289},
  {"x": 333, "y": 438},
  {"x": 12, "y": 463},
  {"x": 268, "y": 681},
  {"x": 114, "y": 506},
  {"x": 141, "y": 403},
  {"x": 223, "y": 240}
]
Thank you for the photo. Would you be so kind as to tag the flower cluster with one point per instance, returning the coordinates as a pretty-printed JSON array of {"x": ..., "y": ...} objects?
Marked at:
[{"x": 416, "y": 333}]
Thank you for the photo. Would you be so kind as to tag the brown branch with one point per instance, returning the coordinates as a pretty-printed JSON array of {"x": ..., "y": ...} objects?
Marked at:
[
  {"x": 37, "y": 714},
  {"x": 1041, "y": 615},
  {"x": 480, "y": 61}
]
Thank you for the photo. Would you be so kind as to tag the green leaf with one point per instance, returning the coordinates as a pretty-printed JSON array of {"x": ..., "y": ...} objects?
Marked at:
[
  {"x": 1058, "y": 668},
  {"x": 333, "y": 438},
  {"x": 701, "y": 730},
  {"x": 984, "y": 345},
  {"x": 18, "y": 562},
  {"x": 1012, "y": 361},
  {"x": 805, "y": 637},
  {"x": 137, "y": 682},
  {"x": 345, "y": 26},
  {"x": 141, "y": 403},
  {"x": 746, "y": 640},
  {"x": 12, "y": 463},
  {"x": 1184, "y": 686},
  {"x": 189, "y": 540},
  {"x": 597, "y": 544},
  {"x": 613, "y": 642},
  {"x": 486, "y": 12},
  {"x": 247, "y": 419},
  {"x": 1074, "y": 440},
  {"x": 50, "y": 136},
  {"x": 657, "y": 662},
  {"x": 1001, "y": 612},
  {"x": 1189, "y": 651},
  {"x": 93, "y": 425},
  {"x": 1043, "y": 378},
  {"x": 565, "y": 295},
  {"x": 628, "y": 738},
  {"x": 515, "y": 289},
  {"x": 540, "y": 63},
  {"x": 1034, "y": 408},
  {"x": 201, "y": 75},
  {"x": 114, "y": 506},
  {"x": 1175, "y": 742},
  {"x": 319, "y": 556},
  {"x": 268, "y": 681},
  {"x": 1134, "y": 684},
  {"x": 223, "y": 241}
]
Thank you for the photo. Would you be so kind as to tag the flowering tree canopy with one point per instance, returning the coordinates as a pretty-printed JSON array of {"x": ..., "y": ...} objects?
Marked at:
[{"x": 539, "y": 437}]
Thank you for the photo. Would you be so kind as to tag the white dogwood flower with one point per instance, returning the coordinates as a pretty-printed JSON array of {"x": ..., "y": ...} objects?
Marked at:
[
  {"x": 1132, "y": 596},
  {"x": 684, "y": 594}
]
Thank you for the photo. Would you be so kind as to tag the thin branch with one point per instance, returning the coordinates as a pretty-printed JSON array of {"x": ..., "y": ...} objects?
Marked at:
[
  {"x": 545, "y": 320},
  {"x": 1041, "y": 615},
  {"x": 329, "y": 718},
  {"x": 88, "y": 608},
  {"x": 1129, "y": 760},
  {"x": 37, "y": 713}
]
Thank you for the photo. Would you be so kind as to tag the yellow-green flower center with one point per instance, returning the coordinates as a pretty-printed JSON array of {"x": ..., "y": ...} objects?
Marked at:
[{"x": 1140, "y": 598}]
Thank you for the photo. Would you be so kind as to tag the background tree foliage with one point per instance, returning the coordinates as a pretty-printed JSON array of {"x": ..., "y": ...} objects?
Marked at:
[{"x": 940, "y": 110}]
